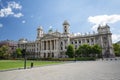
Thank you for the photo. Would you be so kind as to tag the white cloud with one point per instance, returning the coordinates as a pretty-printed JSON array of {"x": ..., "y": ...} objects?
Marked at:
[
  {"x": 23, "y": 21},
  {"x": 77, "y": 34},
  {"x": 14, "y": 5},
  {"x": 5, "y": 12},
  {"x": 18, "y": 15},
  {"x": 1, "y": 25},
  {"x": 115, "y": 37},
  {"x": 103, "y": 19},
  {"x": 94, "y": 28},
  {"x": 9, "y": 10}
]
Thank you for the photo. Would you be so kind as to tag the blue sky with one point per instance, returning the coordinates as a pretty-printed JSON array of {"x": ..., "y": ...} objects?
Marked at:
[{"x": 20, "y": 18}]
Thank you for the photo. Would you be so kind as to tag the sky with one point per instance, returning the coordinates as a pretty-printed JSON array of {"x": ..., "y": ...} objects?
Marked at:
[{"x": 21, "y": 18}]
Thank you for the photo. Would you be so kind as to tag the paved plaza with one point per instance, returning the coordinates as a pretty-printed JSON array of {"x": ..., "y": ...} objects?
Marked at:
[{"x": 81, "y": 70}]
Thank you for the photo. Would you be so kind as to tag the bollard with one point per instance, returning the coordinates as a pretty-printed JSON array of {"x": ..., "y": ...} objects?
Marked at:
[{"x": 31, "y": 64}]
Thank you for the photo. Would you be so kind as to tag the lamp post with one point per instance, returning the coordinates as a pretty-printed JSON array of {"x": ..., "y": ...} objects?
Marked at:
[
  {"x": 24, "y": 55},
  {"x": 25, "y": 60}
]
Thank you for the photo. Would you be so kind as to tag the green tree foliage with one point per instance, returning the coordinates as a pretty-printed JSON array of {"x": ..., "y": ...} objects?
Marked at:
[
  {"x": 4, "y": 51},
  {"x": 86, "y": 50},
  {"x": 1, "y": 52},
  {"x": 116, "y": 48},
  {"x": 17, "y": 53},
  {"x": 96, "y": 50},
  {"x": 70, "y": 51}
]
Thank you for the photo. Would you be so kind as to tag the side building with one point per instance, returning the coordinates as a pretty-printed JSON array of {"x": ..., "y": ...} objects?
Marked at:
[
  {"x": 54, "y": 44},
  {"x": 12, "y": 45}
]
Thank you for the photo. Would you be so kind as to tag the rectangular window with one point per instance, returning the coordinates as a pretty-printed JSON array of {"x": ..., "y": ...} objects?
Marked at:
[
  {"x": 79, "y": 41},
  {"x": 75, "y": 42},
  {"x": 71, "y": 42},
  {"x": 88, "y": 41}
]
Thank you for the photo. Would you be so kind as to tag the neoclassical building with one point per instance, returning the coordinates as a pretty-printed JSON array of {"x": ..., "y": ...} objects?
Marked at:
[{"x": 54, "y": 44}]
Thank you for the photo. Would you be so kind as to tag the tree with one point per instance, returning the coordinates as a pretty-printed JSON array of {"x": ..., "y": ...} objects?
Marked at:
[
  {"x": 116, "y": 48},
  {"x": 79, "y": 51},
  {"x": 87, "y": 50},
  {"x": 70, "y": 51},
  {"x": 17, "y": 53},
  {"x": 4, "y": 51},
  {"x": 96, "y": 50},
  {"x": 1, "y": 53},
  {"x": 84, "y": 50}
]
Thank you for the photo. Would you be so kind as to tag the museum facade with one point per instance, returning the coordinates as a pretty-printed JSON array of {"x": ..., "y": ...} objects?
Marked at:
[{"x": 54, "y": 44}]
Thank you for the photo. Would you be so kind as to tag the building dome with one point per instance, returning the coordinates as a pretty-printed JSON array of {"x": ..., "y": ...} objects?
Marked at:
[
  {"x": 66, "y": 23},
  {"x": 40, "y": 28}
]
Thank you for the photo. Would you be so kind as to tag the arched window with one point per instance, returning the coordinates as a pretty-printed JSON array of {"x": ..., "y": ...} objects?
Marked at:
[
  {"x": 44, "y": 55},
  {"x": 65, "y": 30},
  {"x": 61, "y": 43},
  {"x": 61, "y": 48},
  {"x": 48, "y": 55},
  {"x": 52, "y": 54},
  {"x": 65, "y": 26}
]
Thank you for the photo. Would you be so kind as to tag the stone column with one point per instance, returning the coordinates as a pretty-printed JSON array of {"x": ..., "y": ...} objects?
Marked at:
[
  {"x": 94, "y": 42},
  {"x": 81, "y": 41},
  {"x": 90, "y": 41},
  {"x": 55, "y": 44},
  {"x": 46, "y": 45},
  {"x": 77, "y": 43},
  {"x": 50, "y": 45},
  {"x": 42, "y": 47},
  {"x": 85, "y": 41},
  {"x": 63, "y": 46}
]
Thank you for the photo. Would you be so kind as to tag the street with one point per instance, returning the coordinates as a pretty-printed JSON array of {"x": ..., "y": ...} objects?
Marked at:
[{"x": 80, "y": 70}]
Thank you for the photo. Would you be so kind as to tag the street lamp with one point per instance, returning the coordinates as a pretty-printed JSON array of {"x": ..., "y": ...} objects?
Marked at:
[{"x": 24, "y": 55}]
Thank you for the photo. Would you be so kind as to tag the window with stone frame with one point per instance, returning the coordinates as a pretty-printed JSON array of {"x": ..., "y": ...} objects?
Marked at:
[
  {"x": 79, "y": 41},
  {"x": 83, "y": 40},
  {"x": 88, "y": 41},
  {"x": 71, "y": 42},
  {"x": 65, "y": 30},
  {"x": 61, "y": 48},
  {"x": 65, "y": 27},
  {"x": 65, "y": 47},
  {"x": 52, "y": 55},
  {"x": 92, "y": 40},
  {"x": 75, "y": 41},
  {"x": 61, "y": 43},
  {"x": 44, "y": 55}
]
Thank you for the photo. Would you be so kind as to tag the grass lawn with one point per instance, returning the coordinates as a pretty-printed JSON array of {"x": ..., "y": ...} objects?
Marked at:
[{"x": 11, "y": 64}]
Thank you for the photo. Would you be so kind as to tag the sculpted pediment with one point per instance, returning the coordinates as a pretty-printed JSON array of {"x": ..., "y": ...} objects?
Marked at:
[
  {"x": 57, "y": 33},
  {"x": 49, "y": 36}
]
